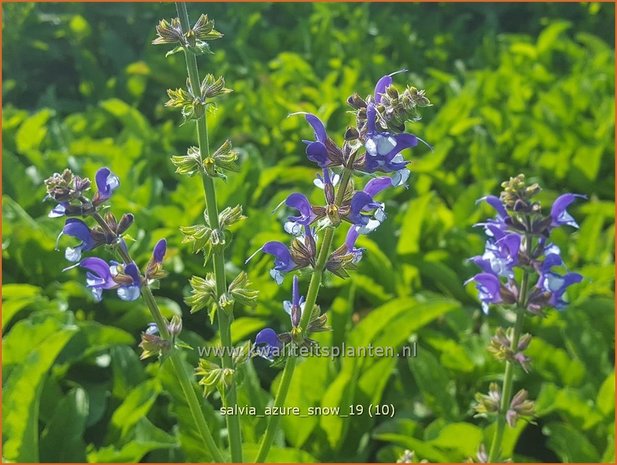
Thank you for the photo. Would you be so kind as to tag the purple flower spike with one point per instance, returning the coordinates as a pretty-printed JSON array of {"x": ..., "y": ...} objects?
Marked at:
[
  {"x": 295, "y": 224},
  {"x": 559, "y": 215},
  {"x": 107, "y": 183},
  {"x": 78, "y": 229},
  {"x": 158, "y": 254},
  {"x": 98, "y": 277},
  {"x": 268, "y": 344},
  {"x": 489, "y": 289},
  {"x": 283, "y": 262}
]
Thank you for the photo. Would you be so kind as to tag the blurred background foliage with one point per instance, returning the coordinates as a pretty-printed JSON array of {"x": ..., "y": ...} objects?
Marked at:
[{"x": 516, "y": 88}]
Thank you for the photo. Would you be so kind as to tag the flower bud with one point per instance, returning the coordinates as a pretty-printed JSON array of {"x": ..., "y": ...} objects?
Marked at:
[
  {"x": 168, "y": 32},
  {"x": 230, "y": 216},
  {"x": 152, "y": 345},
  {"x": 211, "y": 87},
  {"x": 488, "y": 403},
  {"x": 356, "y": 102},
  {"x": 204, "y": 29},
  {"x": 519, "y": 407},
  {"x": 226, "y": 303},
  {"x": 125, "y": 222},
  {"x": 240, "y": 290},
  {"x": 175, "y": 326},
  {"x": 203, "y": 292},
  {"x": 188, "y": 164}
]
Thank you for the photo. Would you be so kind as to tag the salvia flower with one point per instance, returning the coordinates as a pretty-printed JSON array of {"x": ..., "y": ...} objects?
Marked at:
[
  {"x": 296, "y": 224},
  {"x": 283, "y": 262},
  {"x": 489, "y": 289},
  {"x": 98, "y": 276},
  {"x": 559, "y": 214},
  {"x": 68, "y": 191},
  {"x": 101, "y": 276},
  {"x": 79, "y": 230},
  {"x": 267, "y": 344},
  {"x": 365, "y": 212},
  {"x": 294, "y": 307},
  {"x": 383, "y": 148},
  {"x": 300, "y": 255},
  {"x": 347, "y": 256},
  {"x": 553, "y": 283},
  {"x": 106, "y": 183},
  {"x": 501, "y": 253},
  {"x": 154, "y": 268},
  {"x": 322, "y": 151},
  {"x": 129, "y": 281}
]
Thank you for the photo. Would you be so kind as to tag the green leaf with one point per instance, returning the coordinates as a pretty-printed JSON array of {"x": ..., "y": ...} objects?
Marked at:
[
  {"x": 22, "y": 390},
  {"x": 307, "y": 388},
  {"x": 62, "y": 438},
  {"x": 127, "y": 370},
  {"x": 147, "y": 438},
  {"x": 463, "y": 438},
  {"x": 606, "y": 396},
  {"x": 437, "y": 387},
  {"x": 569, "y": 444},
  {"x": 411, "y": 228},
  {"x": 135, "y": 406},
  {"x": 16, "y": 297},
  {"x": 33, "y": 130},
  {"x": 339, "y": 393},
  {"x": 132, "y": 119}
]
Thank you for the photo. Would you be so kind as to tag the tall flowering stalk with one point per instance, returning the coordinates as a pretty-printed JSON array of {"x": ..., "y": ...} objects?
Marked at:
[
  {"x": 521, "y": 268},
  {"x": 212, "y": 237},
  {"x": 373, "y": 145},
  {"x": 70, "y": 193}
]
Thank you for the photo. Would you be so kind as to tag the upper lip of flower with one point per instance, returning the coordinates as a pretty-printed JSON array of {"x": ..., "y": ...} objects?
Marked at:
[
  {"x": 559, "y": 215},
  {"x": 106, "y": 183}
]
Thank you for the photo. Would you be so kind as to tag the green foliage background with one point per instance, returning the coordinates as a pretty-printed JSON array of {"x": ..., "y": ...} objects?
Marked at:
[{"x": 516, "y": 88}]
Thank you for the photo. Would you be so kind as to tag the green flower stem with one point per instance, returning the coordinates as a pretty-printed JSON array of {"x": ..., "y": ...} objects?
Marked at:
[
  {"x": 181, "y": 374},
  {"x": 224, "y": 318},
  {"x": 506, "y": 392},
  {"x": 311, "y": 299}
]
